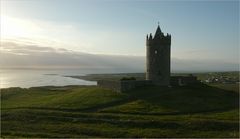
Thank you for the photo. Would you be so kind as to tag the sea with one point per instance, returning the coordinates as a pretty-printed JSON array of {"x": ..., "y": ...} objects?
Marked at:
[{"x": 26, "y": 78}]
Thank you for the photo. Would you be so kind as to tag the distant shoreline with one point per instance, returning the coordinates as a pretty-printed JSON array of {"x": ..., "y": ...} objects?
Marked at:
[{"x": 138, "y": 76}]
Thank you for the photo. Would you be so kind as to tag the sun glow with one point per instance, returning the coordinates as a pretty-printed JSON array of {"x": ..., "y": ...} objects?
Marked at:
[{"x": 15, "y": 27}]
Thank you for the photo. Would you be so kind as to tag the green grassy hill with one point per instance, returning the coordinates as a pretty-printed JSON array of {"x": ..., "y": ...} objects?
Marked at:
[{"x": 80, "y": 111}]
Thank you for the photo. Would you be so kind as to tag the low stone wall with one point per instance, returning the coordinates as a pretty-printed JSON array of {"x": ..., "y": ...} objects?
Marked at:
[
  {"x": 123, "y": 85},
  {"x": 183, "y": 80},
  {"x": 143, "y": 83},
  {"x": 127, "y": 85},
  {"x": 113, "y": 85}
]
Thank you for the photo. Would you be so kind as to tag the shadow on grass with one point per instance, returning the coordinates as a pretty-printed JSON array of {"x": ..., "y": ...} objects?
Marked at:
[{"x": 198, "y": 98}]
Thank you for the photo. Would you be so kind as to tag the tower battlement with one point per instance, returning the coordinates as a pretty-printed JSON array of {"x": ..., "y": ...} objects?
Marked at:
[
  {"x": 159, "y": 38},
  {"x": 158, "y": 57}
]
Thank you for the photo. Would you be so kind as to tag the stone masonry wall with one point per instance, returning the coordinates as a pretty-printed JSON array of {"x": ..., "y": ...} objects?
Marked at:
[{"x": 123, "y": 86}]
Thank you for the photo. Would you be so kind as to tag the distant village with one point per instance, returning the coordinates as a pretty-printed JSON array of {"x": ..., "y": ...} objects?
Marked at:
[{"x": 221, "y": 78}]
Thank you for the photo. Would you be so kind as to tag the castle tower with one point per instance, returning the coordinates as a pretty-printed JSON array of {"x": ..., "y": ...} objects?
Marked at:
[{"x": 158, "y": 58}]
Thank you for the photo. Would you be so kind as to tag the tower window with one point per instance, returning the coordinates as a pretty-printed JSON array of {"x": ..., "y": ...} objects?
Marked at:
[{"x": 155, "y": 51}]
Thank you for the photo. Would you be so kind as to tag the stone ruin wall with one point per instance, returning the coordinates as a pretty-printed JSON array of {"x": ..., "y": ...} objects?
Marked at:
[{"x": 123, "y": 86}]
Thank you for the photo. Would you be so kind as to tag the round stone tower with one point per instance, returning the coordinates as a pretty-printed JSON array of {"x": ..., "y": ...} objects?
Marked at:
[{"x": 158, "y": 58}]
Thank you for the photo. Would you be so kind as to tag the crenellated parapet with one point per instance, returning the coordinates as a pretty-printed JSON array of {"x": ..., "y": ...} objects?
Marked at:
[{"x": 159, "y": 38}]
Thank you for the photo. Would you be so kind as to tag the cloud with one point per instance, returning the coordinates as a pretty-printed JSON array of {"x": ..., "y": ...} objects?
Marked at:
[
  {"x": 202, "y": 65},
  {"x": 30, "y": 49},
  {"x": 18, "y": 55},
  {"x": 29, "y": 56},
  {"x": 73, "y": 36}
]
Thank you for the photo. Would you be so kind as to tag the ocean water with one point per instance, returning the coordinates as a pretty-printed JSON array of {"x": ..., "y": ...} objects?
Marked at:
[{"x": 26, "y": 78}]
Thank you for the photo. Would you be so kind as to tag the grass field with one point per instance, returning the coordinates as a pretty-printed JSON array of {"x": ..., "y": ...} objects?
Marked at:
[{"x": 81, "y": 111}]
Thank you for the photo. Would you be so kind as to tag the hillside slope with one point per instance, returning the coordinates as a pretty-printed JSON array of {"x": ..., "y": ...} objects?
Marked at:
[{"x": 80, "y": 111}]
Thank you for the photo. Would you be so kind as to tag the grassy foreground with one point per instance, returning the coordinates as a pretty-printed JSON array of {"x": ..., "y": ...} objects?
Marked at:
[{"x": 80, "y": 111}]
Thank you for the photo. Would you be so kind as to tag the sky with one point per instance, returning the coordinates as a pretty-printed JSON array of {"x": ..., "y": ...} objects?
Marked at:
[{"x": 201, "y": 30}]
